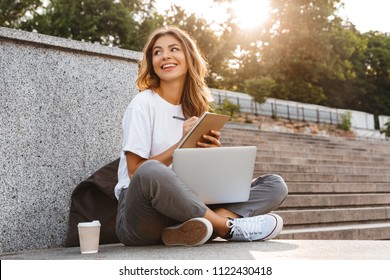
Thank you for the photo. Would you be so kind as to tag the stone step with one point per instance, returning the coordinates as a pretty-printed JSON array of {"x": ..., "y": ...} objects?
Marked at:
[
  {"x": 296, "y": 140},
  {"x": 326, "y": 187},
  {"x": 299, "y": 158},
  {"x": 243, "y": 129},
  {"x": 339, "y": 188},
  {"x": 374, "y": 144},
  {"x": 299, "y": 201},
  {"x": 377, "y": 231},
  {"x": 276, "y": 159},
  {"x": 240, "y": 129},
  {"x": 337, "y": 215},
  {"x": 331, "y": 178},
  {"x": 324, "y": 154},
  {"x": 316, "y": 168},
  {"x": 306, "y": 148},
  {"x": 288, "y": 147}
]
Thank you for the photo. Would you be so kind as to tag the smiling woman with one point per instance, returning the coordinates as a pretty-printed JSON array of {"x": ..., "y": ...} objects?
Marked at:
[{"x": 154, "y": 205}]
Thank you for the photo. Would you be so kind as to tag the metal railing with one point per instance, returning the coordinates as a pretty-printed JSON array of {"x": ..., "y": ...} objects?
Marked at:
[{"x": 293, "y": 110}]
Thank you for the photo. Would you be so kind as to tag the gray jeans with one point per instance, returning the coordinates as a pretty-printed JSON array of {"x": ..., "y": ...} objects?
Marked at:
[{"x": 157, "y": 198}]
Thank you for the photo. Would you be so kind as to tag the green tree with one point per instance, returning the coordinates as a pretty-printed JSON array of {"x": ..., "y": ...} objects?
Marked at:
[
  {"x": 260, "y": 88},
  {"x": 301, "y": 48},
  {"x": 12, "y": 11},
  {"x": 107, "y": 22},
  {"x": 313, "y": 56},
  {"x": 345, "y": 89},
  {"x": 377, "y": 62},
  {"x": 298, "y": 49},
  {"x": 368, "y": 88}
]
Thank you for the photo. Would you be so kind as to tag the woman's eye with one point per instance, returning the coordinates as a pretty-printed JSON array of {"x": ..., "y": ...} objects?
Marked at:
[
  {"x": 175, "y": 49},
  {"x": 157, "y": 53}
]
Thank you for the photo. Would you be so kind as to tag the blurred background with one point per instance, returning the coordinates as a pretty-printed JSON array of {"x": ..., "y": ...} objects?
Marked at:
[{"x": 326, "y": 52}]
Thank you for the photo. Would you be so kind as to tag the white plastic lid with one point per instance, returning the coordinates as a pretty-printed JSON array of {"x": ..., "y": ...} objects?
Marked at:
[{"x": 94, "y": 223}]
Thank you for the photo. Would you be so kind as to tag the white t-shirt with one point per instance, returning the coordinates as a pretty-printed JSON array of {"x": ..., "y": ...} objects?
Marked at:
[{"x": 148, "y": 130}]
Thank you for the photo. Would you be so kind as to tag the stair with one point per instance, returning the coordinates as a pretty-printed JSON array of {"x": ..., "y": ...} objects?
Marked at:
[{"x": 339, "y": 188}]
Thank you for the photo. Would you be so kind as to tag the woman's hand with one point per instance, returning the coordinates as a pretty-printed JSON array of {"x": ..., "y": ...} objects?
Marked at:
[
  {"x": 211, "y": 141},
  {"x": 188, "y": 124}
]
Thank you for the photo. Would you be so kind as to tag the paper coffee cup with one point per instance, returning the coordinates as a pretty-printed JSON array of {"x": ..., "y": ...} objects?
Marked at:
[{"x": 89, "y": 234}]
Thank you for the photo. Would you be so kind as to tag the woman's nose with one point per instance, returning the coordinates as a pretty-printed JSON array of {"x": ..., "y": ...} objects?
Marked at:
[{"x": 166, "y": 55}]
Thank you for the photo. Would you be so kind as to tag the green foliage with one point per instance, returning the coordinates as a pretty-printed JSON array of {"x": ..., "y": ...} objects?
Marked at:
[
  {"x": 386, "y": 129},
  {"x": 104, "y": 21},
  {"x": 228, "y": 108},
  {"x": 260, "y": 88},
  {"x": 367, "y": 89},
  {"x": 12, "y": 11},
  {"x": 346, "y": 123},
  {"x": 299, "y": 51},
  {"x": 377, "y": 74}
]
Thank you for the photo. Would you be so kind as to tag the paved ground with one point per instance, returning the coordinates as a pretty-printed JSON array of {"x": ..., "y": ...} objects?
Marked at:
[{"x": 270, "y": 250}]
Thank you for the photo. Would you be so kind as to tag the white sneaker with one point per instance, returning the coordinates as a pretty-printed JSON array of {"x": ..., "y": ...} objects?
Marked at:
[
  {"x": 193, "y": 232},
  {"x": 262, "y": 227}
]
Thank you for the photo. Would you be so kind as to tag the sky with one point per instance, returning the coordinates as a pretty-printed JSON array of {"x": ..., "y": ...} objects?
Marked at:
[{"x": 366, "y": 15}]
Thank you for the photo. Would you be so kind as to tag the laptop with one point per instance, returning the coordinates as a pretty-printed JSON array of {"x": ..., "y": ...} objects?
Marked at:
[{"x": 216, "y": 175}]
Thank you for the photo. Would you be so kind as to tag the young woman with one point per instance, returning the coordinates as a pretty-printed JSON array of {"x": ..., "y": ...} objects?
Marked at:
[{"x": 154, "y": 205}]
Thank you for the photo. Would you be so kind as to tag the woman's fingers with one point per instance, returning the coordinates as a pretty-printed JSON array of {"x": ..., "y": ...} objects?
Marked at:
[
  {"x": 211, "y": 141},
  {"x": 188, "y": 124},
  {"x": 216, "y": 134}
]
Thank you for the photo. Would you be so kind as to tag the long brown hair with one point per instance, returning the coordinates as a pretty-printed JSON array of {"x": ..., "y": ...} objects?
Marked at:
[{"x": 196, "y": 96}]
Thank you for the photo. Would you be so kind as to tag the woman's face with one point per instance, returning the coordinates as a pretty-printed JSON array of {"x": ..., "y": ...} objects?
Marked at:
[{"x": 169, "y": 61}]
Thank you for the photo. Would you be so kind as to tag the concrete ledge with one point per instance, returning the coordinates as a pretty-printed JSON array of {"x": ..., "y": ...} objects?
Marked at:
[
  {"x": 66, "y": 44},
  {"x": 221, "y": 250},
  {"x": 61, "y": 106}
]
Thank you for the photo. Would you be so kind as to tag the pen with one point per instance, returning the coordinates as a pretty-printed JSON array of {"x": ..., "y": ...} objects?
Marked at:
[{"x": 179, "y": 118}]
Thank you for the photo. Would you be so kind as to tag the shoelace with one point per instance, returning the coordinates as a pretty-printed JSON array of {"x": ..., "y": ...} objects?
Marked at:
[{"x": 244, "y": 226}]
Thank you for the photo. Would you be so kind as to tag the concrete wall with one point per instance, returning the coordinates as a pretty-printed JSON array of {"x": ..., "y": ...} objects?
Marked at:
[{"x": 61, "y": 105}]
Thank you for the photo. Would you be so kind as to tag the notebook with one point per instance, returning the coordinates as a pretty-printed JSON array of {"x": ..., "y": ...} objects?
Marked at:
[
  {"x": 206, "y": 123},
  {"x": 216, "y": 175}
]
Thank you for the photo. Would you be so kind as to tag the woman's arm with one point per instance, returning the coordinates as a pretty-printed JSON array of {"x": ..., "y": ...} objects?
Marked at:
[{"x": 134, "y": 161}]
